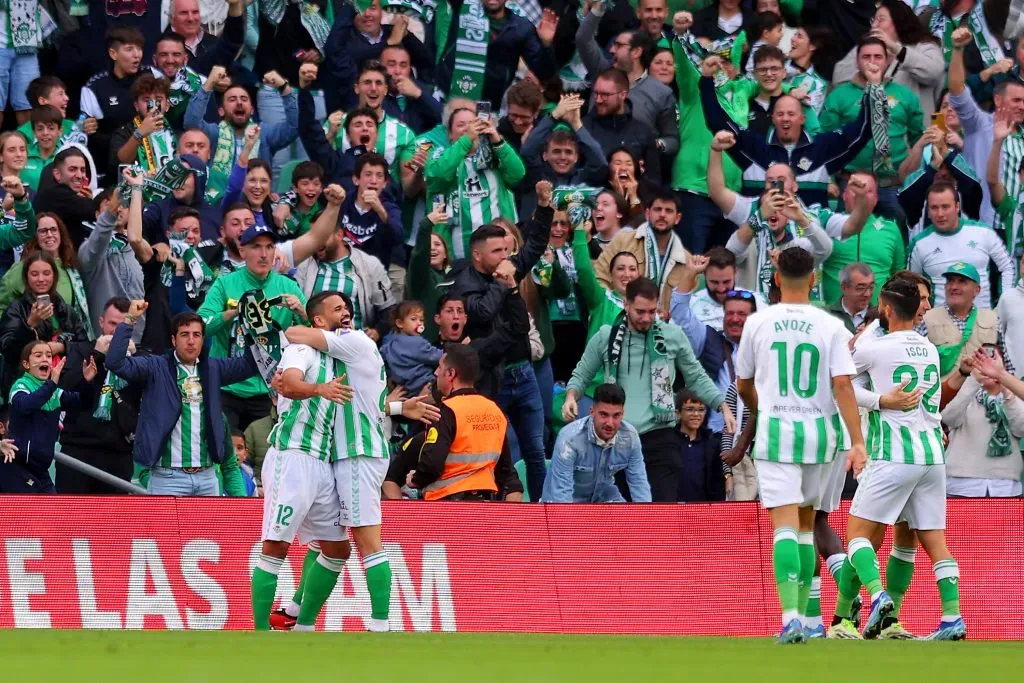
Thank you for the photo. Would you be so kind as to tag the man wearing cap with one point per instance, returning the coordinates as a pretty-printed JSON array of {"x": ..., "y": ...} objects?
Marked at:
[
  {"x": 958, "y": 328},
  {"x": 952, "y": 239},
  {"x": 245, "y": 402}
]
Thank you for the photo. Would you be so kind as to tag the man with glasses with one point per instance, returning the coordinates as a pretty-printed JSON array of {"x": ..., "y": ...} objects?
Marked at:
[
  {"x": 613, "y": 125},
  {"x": 857, "y": 281}
]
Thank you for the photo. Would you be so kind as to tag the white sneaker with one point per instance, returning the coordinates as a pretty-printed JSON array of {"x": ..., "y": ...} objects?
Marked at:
[{"x": 379, "y": 626}]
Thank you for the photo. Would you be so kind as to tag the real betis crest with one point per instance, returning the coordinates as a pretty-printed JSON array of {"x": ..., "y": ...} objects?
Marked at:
[{"x": 465, "y": 84}]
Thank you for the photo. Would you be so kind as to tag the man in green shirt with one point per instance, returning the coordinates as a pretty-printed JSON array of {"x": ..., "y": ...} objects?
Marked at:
[
  {"x": 245, "y": 402},
  {"x": 905, "y": 125},
  {"x": 879, "y": 244}
]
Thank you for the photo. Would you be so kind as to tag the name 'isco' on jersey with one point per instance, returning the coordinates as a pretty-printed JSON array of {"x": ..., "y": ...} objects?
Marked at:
[
  {"x": 914, "y": 436},
  {"x": 792, "y": 351}
]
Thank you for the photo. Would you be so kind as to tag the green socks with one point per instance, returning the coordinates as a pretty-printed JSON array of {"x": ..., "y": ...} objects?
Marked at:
[
  {"x": 808, "y": 563},
  {"x": 865, "y": 562},
  {"x": 378, "y": 583},
  {"x": 312, "y": 552},
  {"x": 947, "y": 575},
  {"x": 848, "y": 584},
  {"x": 898, "y": 573},
  {"x": 786, "y": 561},
  {"x": 318, "y": 582},
  {"x": 264, "y": 590}
]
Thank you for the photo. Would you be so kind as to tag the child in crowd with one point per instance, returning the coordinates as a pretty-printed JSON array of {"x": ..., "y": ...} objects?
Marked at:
[
  {"x": 768, "y": 28},
  {"x": 242, "y": 453},
  {"x": 410, "y": 359},
  {"x": 36, "y": 405}
]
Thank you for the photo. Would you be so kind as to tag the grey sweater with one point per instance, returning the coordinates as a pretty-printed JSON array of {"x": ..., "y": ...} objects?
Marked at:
[
  {"x": 110, "y": 271},
  {"x": 969, "y": 432}
]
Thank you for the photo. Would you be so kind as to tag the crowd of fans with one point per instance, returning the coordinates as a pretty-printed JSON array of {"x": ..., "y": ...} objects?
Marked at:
[{"x": 590, "y": 194}]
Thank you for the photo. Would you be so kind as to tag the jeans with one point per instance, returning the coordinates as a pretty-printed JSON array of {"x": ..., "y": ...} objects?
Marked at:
[
  {"x": 702, "y": 225},
  {"x": 16, "y": 72},
  {"x": 271, "y": 109},
  {"x": 520, "y": 399},
  {"x": 546, "y": 384},
  {"x": 168, "y": 481},
  {"x": 663, "y": 459}
]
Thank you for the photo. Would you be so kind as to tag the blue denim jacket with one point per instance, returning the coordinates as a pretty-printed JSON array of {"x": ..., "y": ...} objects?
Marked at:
[{"x": 583, "y": 471}]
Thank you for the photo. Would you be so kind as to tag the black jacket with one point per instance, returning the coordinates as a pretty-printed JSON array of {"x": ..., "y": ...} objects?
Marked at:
[
  {"x": 702, "y": 478},
  {"x": 82, "y": 431},
  {"x": 73, "y": 208},
  {"x": 622, "y": 130},
  {"x": 114, "y": 97},
  {"x": 913, "y": 196},
  {"x": 486, "y": 300},
  {"x": 15, "y": 332},
  {"x": 421, "y": 113}
]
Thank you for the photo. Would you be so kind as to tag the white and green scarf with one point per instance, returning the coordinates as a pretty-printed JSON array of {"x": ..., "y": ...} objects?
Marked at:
[
  {"x": 256, "y": 331},
  {"x": 28, "y": 25},
  {"x": 104, "y": 405},
  {"x": 424, "y": 10},
  {"x": 198, "y": 275},
  {"x": 662, "y": 401},
  {"x": 186, "y": 83},
  {"x": 470, "y": 51},
  {"x": 1000, "y": 443},
  {"x": 156, "y": 149},
  {"x": 878, "y": 101},
  {"x": 81, "y": 302},
  {"x": 309, "y": 14},
  {"x": 657, "y": 265},
  {"x": 942, "y": 27},
  {"x": 224, "y": 155}
]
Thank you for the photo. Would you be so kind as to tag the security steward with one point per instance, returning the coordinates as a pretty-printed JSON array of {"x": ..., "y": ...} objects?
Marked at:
[{"x": 466, "y": 455}]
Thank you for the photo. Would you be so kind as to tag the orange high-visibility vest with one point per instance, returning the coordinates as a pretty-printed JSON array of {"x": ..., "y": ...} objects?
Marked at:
[{"x": 479, "y": 436}]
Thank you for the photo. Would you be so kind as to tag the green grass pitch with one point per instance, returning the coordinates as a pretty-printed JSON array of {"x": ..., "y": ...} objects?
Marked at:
[{"x": 198, "y": 657}]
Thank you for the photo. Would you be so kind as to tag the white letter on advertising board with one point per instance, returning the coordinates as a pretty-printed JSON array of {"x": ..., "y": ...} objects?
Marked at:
[
  {"x": 203, "y": 585},
  {"x": 92, "y": 615},
  {"x": 286, "y": 583},
  {"x": 341, "y": 606},
  {"x": 24, "y": 583},
  {"x": 146, "y": 563},
  {"x": 433, "y": 579}
]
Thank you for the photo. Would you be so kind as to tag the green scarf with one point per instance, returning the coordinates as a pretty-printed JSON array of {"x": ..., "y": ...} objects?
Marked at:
[
  {"x": 81, "y": 302},
  {"x": 662, "y": 401},
  {"x": 186, "y": 84},
  {"x": 28, "y": 25},
  {"x": 198, "y": 275},
  {"x": 470, "y": 51},
  {"x": 156, "y": 149},
  {"x": 224, "y": 158},
  {"x": 309, "y": 14},
  {"x": 171, "y": 176},
  {"x": 999, "y": 444},
  {"x": 256, "y": 330},
  {"x": 423, "y": 10},
  {"x": 949, "y": 354},
  {"x": 881, "y": 161},
  {"x": 657, "y": 265},
  {"x": 111, "y": 383},
  {"x": 31, "y": 384},
  {"x": 942, "y": 27}
]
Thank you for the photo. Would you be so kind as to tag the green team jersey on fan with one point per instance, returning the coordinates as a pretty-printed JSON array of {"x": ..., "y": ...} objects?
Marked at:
[
  {"x": 395, "y": 142},
  {"x": 914, "y": 436},
  {"x": 792, "y": 352},
  {"x": 307, "y": 425},
  {"x": 414, "y": 209},
  {"x": 811, "y": 82},
  {"x": 359, "y": 424},
  {"x": 340, "y": 276},
  {"x": 476, "y": 186},
  {"x": 186, "y": 445}
]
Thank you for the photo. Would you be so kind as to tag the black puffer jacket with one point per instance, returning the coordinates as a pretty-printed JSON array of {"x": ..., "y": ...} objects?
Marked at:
[{"x": 15, "y": 332}]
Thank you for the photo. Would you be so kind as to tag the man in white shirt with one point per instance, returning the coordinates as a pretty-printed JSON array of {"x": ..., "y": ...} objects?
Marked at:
[{"x": 952, "y": 239}]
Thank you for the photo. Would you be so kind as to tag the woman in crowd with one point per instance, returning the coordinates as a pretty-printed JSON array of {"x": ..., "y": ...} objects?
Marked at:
[
  {"x": 566, "y": 313},
  {"x": 51, "y": 238},
  {"x": 250, "y": 182},
  {"x": 40, "y": 313},
  {"x": 917, "y": 59},
  {"x": 609, "y": 217},
  {"x": 428, "y": 267},
  {"x": 625, "y": 176},
  {"x": 663, "y": 68},
  {"x": 13, "y": 153}
]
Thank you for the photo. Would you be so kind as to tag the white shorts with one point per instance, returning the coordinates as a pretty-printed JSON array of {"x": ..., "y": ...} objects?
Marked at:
[
  {"x": 299, "y": 498},
  {"x": 888, "y": 492},
  {"x": 358, "y": 481},
  {"x": 784, "y": 483},
  {"x": 832, "y": 485}
]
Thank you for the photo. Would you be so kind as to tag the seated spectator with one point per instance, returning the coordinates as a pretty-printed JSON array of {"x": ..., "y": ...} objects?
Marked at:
[
  {"x": 109, "y": 264},
  {"x": 560, "y": 156},
  {"x": 39, "y": 314},
  {"x": 703, "y": 477},
  {"x": 181, "y": 433},
  {"x": 36, "y": 409},
  {"x": 101, "y": 437},
  {"x": 411, "y": 359},
  {"x": 51, "y": 237},
  {"x": 590, "y": 453},
  {"x": 470, "y": 425},
  {"x": 107, "y": 96},
  {"x": 64, "y": 189},
  {"x": 147, "y": 139},
  {"x": 986, "y": 422}
]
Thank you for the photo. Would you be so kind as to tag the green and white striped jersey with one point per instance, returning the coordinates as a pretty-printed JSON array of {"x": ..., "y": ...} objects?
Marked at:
[
  {"x": 792, "y": 352},
  {"x": 307, "y": 425},
  {"x": 396, "y": 142},
  {"x": 187, "y": 445},
  {"x": 811, "y": 82},
  {"x": 476, "y": 203},
  {"x": 911, "y": 437},
  {"x": 340, "y": 276},
  {"x": 359, "y": 425}
]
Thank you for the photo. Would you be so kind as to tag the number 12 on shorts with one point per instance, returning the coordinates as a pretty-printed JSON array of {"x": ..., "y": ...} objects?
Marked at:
[{"x": 284, "y": 514}]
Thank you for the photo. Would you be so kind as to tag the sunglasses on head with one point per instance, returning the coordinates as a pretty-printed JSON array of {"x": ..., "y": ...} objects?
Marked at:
[{"x": 744, "y": 294}]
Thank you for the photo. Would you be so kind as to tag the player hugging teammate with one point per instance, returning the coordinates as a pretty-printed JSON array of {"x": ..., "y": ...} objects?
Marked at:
[{"x": 795, "y": 369}]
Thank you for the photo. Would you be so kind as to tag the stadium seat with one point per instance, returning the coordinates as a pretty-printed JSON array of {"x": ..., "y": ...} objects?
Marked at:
[{"x": 284, "y": 178}]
